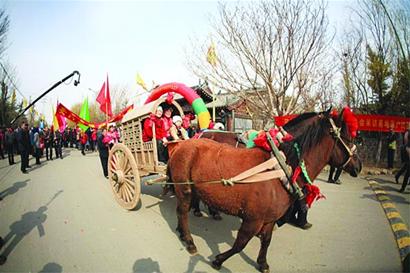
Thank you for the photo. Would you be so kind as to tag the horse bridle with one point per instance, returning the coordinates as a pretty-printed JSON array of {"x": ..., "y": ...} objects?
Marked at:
[{"x": 335, "y": 132}]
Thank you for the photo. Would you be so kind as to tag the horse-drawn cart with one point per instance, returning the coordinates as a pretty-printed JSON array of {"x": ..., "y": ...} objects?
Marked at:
[{"x": 133, "y": 158}]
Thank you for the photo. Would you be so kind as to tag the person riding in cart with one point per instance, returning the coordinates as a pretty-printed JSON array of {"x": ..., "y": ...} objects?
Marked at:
[
  {"x": 177, "y": 131},
  {"x": 160, "y": 133}
]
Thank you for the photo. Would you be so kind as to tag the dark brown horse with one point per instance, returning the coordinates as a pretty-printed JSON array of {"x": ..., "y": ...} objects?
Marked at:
[{"x": 260, "y": 204}]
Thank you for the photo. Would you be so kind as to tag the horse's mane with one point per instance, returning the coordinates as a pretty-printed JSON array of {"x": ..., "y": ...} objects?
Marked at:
[
  {"x": 298, "y": 119},
  {"x": 313, "y": 134}
]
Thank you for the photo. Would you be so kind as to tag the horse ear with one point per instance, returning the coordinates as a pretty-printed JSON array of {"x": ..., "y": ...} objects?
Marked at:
[
  {"x": 340, "y": 118},
  {"x": 327, "y": 112}
]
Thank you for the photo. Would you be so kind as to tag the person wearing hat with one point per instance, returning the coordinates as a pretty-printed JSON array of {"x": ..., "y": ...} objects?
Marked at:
[
  {"x": 177, "y": 131},
  {"x": 219, "y": 126}
]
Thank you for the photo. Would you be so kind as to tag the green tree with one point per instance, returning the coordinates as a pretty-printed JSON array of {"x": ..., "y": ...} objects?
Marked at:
[
  {"x": 9, "y": 107},
  {"x": 400, "y": 91},
  {"x": 379, "y": 73}
]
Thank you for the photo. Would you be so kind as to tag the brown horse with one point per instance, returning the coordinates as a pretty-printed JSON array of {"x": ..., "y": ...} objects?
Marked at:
[
  {"x": 261, "y": 204},
  {"x": 231, "y": 138}
]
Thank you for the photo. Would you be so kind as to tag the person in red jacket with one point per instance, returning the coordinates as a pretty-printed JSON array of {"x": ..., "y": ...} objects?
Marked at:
[
  {"x": 168, "y": 121},
  {"x": 160, "y": 133},
  {"x": 93, "y": 141},
  {"x": 83, "y": 140}
]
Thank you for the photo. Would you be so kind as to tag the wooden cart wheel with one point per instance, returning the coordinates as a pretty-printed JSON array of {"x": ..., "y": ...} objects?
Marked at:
[{"x": 124, "y": 177}]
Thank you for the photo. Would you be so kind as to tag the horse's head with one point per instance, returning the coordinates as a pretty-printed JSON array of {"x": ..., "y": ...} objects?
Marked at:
[
  {"x": 309, "y": 127},
  {"x": 344, "y": 130}
]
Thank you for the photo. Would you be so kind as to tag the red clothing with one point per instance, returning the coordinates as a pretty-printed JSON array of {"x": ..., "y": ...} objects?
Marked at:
[
  {"x": 167, "y": 125},
  {"x": 94, "y": 135},
  {"x": 83, "y": 139},
  {"x": 186, "y": 120},
  {"x": 160, "y": 132},
  {"x": 147, "y": 130}
]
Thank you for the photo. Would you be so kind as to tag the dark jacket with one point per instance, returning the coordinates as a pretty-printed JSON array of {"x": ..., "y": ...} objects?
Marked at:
[
  {"x": 10, "y": 138},
  {"x": 58, "y": 137},
  {"x": 102, "y": 147},
  {"x": 23, "y": 140}
]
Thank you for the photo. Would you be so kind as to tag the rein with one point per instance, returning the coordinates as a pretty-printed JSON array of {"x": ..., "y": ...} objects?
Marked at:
[{"x": 335, "y": 131}]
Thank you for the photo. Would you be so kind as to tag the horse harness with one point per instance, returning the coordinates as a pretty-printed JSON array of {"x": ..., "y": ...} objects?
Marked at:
[
  {"x": 276, "y": 166},
  {"x": 335, "y": 131}
]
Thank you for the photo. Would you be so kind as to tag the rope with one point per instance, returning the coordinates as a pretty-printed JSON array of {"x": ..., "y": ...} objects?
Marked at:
[
  {"x": 225, "y": 182},
  {"x": 302, "y": 163}
]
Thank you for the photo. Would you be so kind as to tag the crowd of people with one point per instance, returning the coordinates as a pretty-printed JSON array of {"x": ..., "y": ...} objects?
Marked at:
[{"x": 49, "y": 143}]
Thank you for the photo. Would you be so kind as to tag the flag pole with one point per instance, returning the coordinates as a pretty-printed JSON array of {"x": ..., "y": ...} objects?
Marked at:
[
  {"x": 213, "y": 105},
  {"x": 106, "y": 106}
]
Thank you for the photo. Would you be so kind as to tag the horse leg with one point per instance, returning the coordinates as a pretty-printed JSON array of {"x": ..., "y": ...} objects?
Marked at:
[
  {"x": 183, "y": 206},
  {"x": 265, "y": 237},
  {"x": 214, "y": 213},
  {"x": 246, "y": 232},
  {"x": 195, "y": 205}
]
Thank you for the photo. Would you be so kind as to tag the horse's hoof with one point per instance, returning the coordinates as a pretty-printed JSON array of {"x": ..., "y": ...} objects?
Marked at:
[
  {"x": 198, "y": 214},
  {"x": 217, "y": 217},
  {"x": 216, "y": 265},
  {"x": 264, "y": 268},
  {"x": 3, "y": 259},
  {"x": 191, "y": 249}
]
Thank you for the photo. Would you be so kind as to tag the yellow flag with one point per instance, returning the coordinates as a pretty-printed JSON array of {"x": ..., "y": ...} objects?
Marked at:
[
  {"x": 13, "y": 97},
  {"x": 25, "y": 103},
  {"x": 55, "y": 121},
  {"x": 141, "y": 82},
  {"x": 211, "y": 55}
]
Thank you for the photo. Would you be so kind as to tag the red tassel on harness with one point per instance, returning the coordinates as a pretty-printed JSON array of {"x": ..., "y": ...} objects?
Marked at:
[
  {"x": 313, "y": 194},
  {"x": 262, "y": 141},
  {"x": 287, "y": 137},
  {"x": 296, "y": 174}
]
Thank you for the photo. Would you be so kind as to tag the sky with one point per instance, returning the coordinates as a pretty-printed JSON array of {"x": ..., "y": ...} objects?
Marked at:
[{"x": 47, "y": 40}]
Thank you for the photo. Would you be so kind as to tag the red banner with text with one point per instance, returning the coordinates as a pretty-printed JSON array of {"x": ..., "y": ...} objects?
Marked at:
[
  {"x": 65, "y": 112},
  {"x": 379, "y": 123}
]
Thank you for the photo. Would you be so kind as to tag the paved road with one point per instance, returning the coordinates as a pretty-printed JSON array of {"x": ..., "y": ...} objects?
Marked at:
[{"x": 62, "y": 217}]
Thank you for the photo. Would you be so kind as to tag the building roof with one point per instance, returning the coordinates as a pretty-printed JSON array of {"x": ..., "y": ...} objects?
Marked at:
[{"x": 224, "y": 100}]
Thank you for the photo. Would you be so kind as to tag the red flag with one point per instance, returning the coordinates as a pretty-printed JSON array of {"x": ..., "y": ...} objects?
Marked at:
[{"x": 104, "y": 99}]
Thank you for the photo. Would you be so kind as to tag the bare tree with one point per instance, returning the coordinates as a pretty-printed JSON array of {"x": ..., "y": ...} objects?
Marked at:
[
  {"x": 352, "y": 56},
  {"x": 119, "y": 98},
  {"x": 4, "y": 27},
  {"x": 270, "y": 53}
]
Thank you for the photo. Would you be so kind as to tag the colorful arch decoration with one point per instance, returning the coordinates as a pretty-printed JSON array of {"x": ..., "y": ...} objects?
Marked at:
[{"x": 198, "y": 105}]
